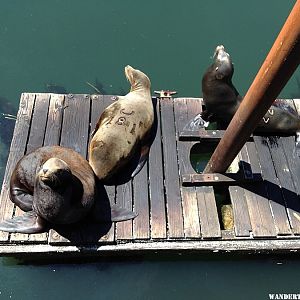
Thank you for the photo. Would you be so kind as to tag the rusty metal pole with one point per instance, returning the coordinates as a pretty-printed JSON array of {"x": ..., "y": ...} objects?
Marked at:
[{"x": 278, "y": 67}]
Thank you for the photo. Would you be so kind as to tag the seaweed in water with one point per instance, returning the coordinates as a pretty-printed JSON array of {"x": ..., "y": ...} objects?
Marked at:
[
  {"x": 7, "y": 124},
  {"x": 99, "y": 88},
  {"x": 6, "y": 131},
  {"x": 55, "y": 88}
]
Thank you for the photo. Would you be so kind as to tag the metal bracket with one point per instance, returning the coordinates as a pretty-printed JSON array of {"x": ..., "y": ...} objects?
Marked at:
[
  {"x": 165, "y": 93},
  {"x": 218, "y": 179}
]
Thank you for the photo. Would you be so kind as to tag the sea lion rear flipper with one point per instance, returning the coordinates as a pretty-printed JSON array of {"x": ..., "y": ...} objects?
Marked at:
[
  {"x": 143, "y": 158},
  {"x": 29, "y": 222},
  {"x": 119, "y": 214},
  {"x": 196, "y": 123}
]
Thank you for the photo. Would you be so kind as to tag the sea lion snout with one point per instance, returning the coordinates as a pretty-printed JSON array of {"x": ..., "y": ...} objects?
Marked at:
[
  {"x": 137, "y": 78},
  {"x": 223, "y": 63},
  {"x": 220, "y": 53},
  {"x": 54, "y": 171}
]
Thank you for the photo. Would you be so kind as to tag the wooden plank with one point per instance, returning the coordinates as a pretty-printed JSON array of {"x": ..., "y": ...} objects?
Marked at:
[
  {"x": 217, "y": 179},
  {"x": 122, "y": 196},
  {"x": 209, "y": 221},
  {"x": 171, "y": 172},
  {"x": 38, "y": 123},
  {"x": 74, "y": 134},
  {"x": 75, "y": 127},
  {"x": 158, "y": 223},
  {"x": 188, "y": 194},
  {"x": 183, "y": 107},
  {"x": 99, "y": 103},
  {"x": 282, "y": 168},
  {"x": 141, "y": 224},
  {"x": 17, "y": 150},
  {"x": 124, "y": 199},
  {"x": 54, "y": 121},
  {"x": 236, "y": 246},
  {"x": 272, "y": 184},
  {"x": 258, "y": 204},
  {"x": 36, "y": 138},
  {"x": 242, "y": 224},
  {"x": 210, "y": 135}
]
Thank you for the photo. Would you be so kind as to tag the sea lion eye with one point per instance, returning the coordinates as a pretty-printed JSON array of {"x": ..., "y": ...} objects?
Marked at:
[{"x": 217, "y": 68}]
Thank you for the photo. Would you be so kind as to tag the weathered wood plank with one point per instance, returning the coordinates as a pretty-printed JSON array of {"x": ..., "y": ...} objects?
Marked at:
[
  {"x": 99, "y": 103},
  {"x": 240, "y": 246},
  {"x": 188, "y": 194},
  {"x": 211, "y": 135},
  {"x": 158, "y": 222},
  {"x": 38, "y": 123},
  {"x": 54, "y": 122},
  {"x": 171, "y": 172},
  {"x": 124, "y": 199},
  {"x": 182, "y": 110},
  {"x": 36, "y": 138},
  {"x": 52, "y": 136},
  {"x": 283, "y": 172},
  {"x": 75, "y": 127},
  {"x": 259, "y": 209},
  {"x": 74, "y": 134},
  {"x": 141, "y": 224},
  {"x": 218, "y": 179},
  {"x": 272, "y": 184},
  {"x": 209, "y": 221},
  {"x": 17, "y": 150},
  {"x": 242, "y": 224}
]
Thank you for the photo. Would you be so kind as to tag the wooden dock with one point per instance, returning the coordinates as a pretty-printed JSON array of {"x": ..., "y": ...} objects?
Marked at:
[{"x": 177, "y": 209}]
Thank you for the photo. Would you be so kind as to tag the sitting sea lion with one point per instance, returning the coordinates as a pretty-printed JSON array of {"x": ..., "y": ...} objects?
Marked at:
[
  {"x": 53, "y": 185},
  {"x": 123, "y": 127},
  {"x": 221, "y": 100}
]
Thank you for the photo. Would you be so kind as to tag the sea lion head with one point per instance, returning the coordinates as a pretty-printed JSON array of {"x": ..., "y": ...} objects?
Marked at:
[
  {"x": 58, "y": 194},
  {"x": 223, "y": 66},
  {"x": 55, "y": 173},
  {"x": 137, "y": 79}
]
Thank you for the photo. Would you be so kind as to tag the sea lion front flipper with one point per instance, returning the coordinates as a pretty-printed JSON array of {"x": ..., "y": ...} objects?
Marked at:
[
  {"x": 29, "y": 222},
  {"x": 119, "y": 214},
  {"x": 196, "y": 123},
  {"x": 143, "y": 158},
  {"x": 21, "y": 198}
]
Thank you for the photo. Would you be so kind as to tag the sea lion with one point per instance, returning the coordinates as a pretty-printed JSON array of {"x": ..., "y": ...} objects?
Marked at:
[
  {"x": 123, "y": 127},
  {"x": 53, "y": 185},
  {"x": 221, "y": 100}
]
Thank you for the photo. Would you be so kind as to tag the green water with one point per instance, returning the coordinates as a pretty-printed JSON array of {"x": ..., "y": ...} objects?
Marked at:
[{"x": 68, "y": 43}]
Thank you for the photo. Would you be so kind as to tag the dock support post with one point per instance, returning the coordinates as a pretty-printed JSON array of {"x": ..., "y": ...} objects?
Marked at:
[{"x": 278, "y": 67}]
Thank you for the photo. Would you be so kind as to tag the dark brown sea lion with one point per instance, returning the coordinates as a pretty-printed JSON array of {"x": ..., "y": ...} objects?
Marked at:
[
  {"x": 53, "y": 185},
  {"x": 221, "y": 100},
  {"x": 123, "y": 127}
]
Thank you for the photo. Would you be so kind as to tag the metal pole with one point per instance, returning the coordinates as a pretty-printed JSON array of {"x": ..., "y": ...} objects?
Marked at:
[{"x": 278, "y": 67}]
